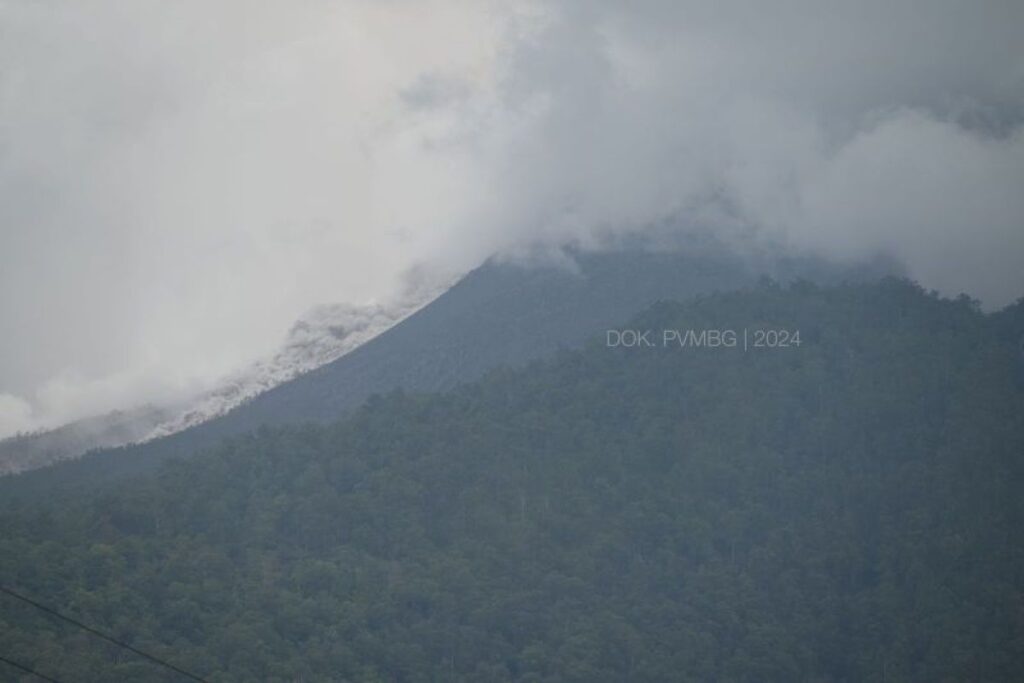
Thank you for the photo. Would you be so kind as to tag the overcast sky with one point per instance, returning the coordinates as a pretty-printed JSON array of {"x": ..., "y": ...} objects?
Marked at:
[{"x": 180, "y": 180}]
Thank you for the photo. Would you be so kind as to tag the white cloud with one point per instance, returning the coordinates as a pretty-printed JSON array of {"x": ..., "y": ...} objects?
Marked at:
[
  {"x": 180, "y": 181},
  {"x": 945, "y": 200},
  {"x": 15, "y": 415}
]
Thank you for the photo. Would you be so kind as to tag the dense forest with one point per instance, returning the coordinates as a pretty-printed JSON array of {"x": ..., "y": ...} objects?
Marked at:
[{"x": 848, "y": 509}]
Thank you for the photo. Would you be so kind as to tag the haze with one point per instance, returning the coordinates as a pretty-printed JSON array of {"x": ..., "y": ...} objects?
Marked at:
[{"x": 179, "y": 181}]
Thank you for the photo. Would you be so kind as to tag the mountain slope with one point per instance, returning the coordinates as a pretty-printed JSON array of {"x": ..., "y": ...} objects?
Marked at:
[
  {"x": 39, "y": 449},
  {"x": 498, "y": 315},
  {"x": 843, "y": 510},
  {"x": 322, "y": 335}
]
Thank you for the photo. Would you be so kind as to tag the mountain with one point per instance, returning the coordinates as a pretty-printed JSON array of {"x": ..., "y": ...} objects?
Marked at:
[
  {"x": 321, "y": 336},
  {"x": 844, "y": 507},
  {"x": 501, "y": 314}
]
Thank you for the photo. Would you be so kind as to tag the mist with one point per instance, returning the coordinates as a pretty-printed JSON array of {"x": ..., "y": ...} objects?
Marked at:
[{"x": 180, "y": 181}]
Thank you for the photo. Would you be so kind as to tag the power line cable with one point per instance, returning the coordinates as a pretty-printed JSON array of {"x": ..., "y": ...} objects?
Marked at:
[
  {"x": 27, "y": 670},
  {"x": 100, "y": 634}
]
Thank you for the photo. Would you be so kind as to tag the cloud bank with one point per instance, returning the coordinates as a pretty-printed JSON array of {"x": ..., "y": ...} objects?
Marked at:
[{"x": 180, "y": 181}]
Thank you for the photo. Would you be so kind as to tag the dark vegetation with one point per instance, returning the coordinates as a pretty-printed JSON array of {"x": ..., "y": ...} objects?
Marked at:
[{"x": 848, "y": 510}]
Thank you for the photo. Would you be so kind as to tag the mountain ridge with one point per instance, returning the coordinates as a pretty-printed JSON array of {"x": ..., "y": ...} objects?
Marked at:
[
  {"x": 322, "y": 335},
  {"x": 500, "y": 314}
]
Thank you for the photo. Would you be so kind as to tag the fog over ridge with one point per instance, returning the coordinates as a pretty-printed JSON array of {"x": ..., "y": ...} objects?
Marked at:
[{"x": 180, "y": 182}]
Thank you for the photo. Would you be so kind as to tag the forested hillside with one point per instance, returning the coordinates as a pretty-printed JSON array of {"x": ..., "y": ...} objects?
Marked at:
[{"x": 847, "y": 509}]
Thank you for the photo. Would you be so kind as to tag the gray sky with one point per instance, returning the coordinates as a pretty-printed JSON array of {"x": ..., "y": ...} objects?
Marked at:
[{"x": 180, "y": 180}]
